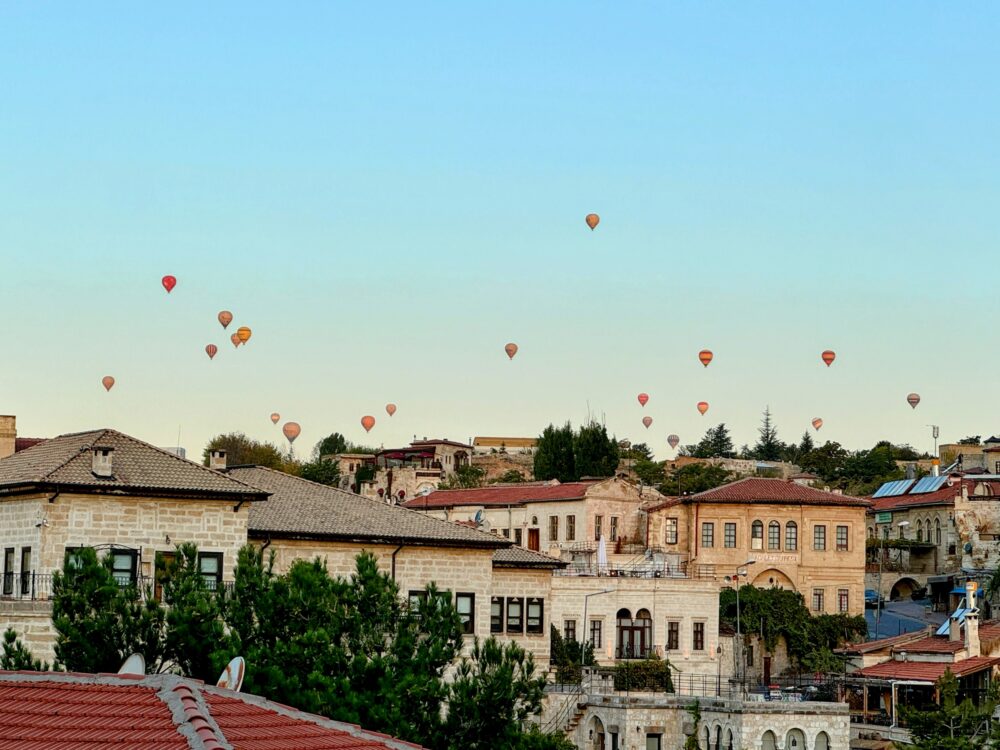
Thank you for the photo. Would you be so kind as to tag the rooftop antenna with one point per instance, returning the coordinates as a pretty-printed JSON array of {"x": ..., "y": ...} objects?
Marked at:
[
  {"x": 232, "y": 676},
  {"x": 935, "y": 432}
]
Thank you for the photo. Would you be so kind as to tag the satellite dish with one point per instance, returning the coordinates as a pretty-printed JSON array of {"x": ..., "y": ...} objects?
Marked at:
[
  {"x": 232, "y": 677},
  {"x": 135, "y": 664}
]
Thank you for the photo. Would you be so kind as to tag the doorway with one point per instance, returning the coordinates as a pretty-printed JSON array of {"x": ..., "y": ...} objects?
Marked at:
[{"x": 533, "y": 540}]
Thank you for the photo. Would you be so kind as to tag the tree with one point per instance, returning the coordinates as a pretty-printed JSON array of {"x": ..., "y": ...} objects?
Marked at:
[
  {"x": 321, "y": 472},
  {"x": 242, "y": 450},
  {"x": 971, "y": 440},
  {"x": 465, "y": 477},
  {"x": 594, "y": 453},
  {"x": 807, "y": 445},
  {"x": 694, "y": 478},
  {"x": 768, "y": 447},
  {"x": 511, "y": 476},
  {"x": 952, "y": 724},
  {"x": 826, "y": 461},
  {"x": 717, "y": 443},
  {"x": 15, "y": 656},
  {"x": 337, "y": 443},
  {"x": 554, "y": 458},
  {"x": 649, "y": 472}
]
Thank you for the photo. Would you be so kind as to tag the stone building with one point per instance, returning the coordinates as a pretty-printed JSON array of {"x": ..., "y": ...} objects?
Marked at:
[{"x": 403, "y": 473}]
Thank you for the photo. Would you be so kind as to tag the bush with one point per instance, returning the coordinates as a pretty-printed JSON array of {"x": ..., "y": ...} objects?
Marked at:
[{"x": 651, "y": 674}]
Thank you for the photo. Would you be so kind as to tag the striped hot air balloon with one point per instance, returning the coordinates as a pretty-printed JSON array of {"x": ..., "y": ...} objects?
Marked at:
[{"x": 705, "y": 356}]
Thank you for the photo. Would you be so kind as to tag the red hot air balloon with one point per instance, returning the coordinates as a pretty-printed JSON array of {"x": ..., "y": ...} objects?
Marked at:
[
  {"x": 647, "y": 421},
  {"x": 643, "y": 399},
  {"x": 817, "y": 423},
  {"x": 108, "y": 382},
  {"x": 705, "y": 356},
  {"x": 368, "y": 422},
  {"x": 511, "y": 350},
  {"x": 275, "y": 417},
  {"x": 592, "y": 221},
  {"x": 244, "y": 334},
  {"x": 390, "y": 409},
  {"x": 225, "y": 318},
  {"x": 673, "y": 441},
  {"x": 828, "y": 356},
  {"x": 169, "y": 282},
  {"x": 703, "y": 407},
  {"x": 913, "y": 399},
  {"x": 291, "y": 430},
  {"x": 211, "y": 350},
  {"x": 236, "y": 340}
]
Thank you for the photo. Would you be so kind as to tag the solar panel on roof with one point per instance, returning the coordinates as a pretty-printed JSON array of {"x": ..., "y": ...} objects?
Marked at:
[
  {"x": 880, "y": 492},
  {"x": 892, "y": 489},
  {"x": 928, "y": 484}
]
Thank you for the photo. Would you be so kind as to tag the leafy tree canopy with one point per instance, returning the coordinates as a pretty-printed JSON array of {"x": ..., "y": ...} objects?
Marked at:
[
  {"x": 693, "y": 478},
  {"x": 242, "y": 450},
  {"x": 716, "y": 443},
  {"x": 554, "y": 458},
  {"x": 465, "y": 477}
]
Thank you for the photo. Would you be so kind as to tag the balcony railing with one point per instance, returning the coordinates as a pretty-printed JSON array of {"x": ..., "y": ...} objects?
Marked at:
[
  {"x": 648, "y": 570},
  {"x": 32, "y": 586}
]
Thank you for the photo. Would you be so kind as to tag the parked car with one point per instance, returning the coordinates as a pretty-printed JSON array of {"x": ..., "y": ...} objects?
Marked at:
[{"x": 872, "y": 598}]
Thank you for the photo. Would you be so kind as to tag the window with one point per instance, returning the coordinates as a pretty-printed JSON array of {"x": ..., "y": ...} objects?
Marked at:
[
  {"x": 749, "y": 654},
  {"x": 885, "y": 532},
  {"x": 920, "y": 531},
  {"x": 553, "y": 528},
  {"x": 466, "y": 606},
  {"x": 757, "y": 535},
  {"x": 817, "y": 600},
  {"x": 614, "y": 528},
  {"x": 730, "y": 535},
  {"x": 774, "y": 535},
  {"x": 8, "y": 571},
  {"x": 902, "y": 532},
  {"x": 841, "y": 539},
  {"x": 569, "y": 630},
  {"x": 518, "y": 536},
  {"x": 596, "y": 636},
  {"x": 673, "y": 635},
  {"x": 843, "y": 596},
  {"x": 707, "y": 534},
  {"x": 598, "y": 527},
  {"x": 535, "y": 616},
  {"x": 506, "y": 533},
  {"x": 415, "y": 599},
  {"x": 496, "y": 614},
  {"x": 937, "y": 531},
  {"x": 25, "y": 570},
  {"x": 670, "y": 531},
  {"x": 515, "y": 615},
  {"x": 699, "y": 636},
  {"x": 791, "y": 536},
  {"x": 654, "y": 741},
  {"x": 210, "y": 567},
  {"x": 570, "y": 528},
  {"x": 123, "y": 566},
  {"x": 819, "y": 538}
]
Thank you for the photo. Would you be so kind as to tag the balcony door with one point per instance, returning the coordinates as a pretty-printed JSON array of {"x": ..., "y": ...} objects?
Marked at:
[{"x": 533, "y": 540}]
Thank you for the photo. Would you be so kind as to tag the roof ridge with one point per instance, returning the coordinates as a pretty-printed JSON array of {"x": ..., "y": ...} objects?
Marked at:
[{"x": 191, "y": 713}]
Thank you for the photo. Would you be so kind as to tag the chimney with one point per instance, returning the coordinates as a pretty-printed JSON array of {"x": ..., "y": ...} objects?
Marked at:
[
  {"x": 935, "y": 467},
  {"x": 954, "y": 629},
  {"x": 911, "y": 471},
  {"x": 8, "y": 436},
  {"x": 972, "y": 646},
  {"x": 217, "y": 460},
  {"x": 102, "y": 465}
]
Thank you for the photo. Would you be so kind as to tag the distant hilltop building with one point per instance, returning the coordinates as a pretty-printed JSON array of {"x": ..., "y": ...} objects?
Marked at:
[{"x": 504, "y": 444}]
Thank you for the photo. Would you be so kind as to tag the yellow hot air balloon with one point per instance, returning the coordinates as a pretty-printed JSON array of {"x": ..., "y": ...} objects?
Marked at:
[
  {"x": 592, "y": 221},
  {"x": 244, "y": 334}
]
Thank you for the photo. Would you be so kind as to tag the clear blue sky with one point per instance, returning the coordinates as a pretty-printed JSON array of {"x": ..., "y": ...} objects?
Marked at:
[{"x": 389, "y": 193}]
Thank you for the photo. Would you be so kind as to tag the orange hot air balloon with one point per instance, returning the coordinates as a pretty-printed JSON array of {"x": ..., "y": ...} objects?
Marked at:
[
  {"x": 225, "y": 317},
  {"x": 703, "y": 407},
  {"x": 817, "y": 423},
  {"x": 511, "y": 350},
  {"x": 643, "y": 399},
  {"x": 211, "y": 350},
  {"x": 913, "y": 399},
  {"x": 169, "y": 282},
  {"x": 108, "y": 382},
  {"x": 647, "y": 421},
  {"x": 244, "y": 334},
  {"x": 390, "y": 409},
  {"x": 592, "y": 221},
  {"x": 235, "y": 338},
  {"x": 828, "y": 356},
  {"x": 291, "y": 430},
  {"x": 275, "y": 417},
  {"x": 368, "y": 423},
  {"x": 673, "y": 441},
  {"x": 705, "y": 356}
]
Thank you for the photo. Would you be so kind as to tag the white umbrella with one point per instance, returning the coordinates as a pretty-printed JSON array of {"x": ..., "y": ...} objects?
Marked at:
[{"x": 602, "y": 557}]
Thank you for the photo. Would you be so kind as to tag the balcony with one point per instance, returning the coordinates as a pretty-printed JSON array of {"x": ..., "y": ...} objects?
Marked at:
[{"x": 32, "y": 586}]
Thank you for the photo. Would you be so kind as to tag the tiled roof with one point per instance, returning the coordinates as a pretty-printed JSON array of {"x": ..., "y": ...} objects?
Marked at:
[
  {"x": 934, "y": 644},
  {"x": 445, "y": 441},
  {"x": 513, "y": 494},
  {"x": 670, "y": 502},
  {"x": 66, "y": 463},
  {"x": 927, "y": 671},
  {"x": 300, "y": 509},
  {"x": 519, "y": 557},
  {"x": 944, "y": 496},
  {"x": 67, "y": 711},
  {"x": 23, "y": 443},
  {"x": 760, "y": 490},
  {"x": 869, "y": 646}
]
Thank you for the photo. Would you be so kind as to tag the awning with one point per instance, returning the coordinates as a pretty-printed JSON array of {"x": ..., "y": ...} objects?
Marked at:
[{"x": 939, "y": 579}]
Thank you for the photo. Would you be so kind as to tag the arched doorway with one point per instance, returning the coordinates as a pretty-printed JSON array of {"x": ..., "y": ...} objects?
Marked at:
[
  {"x": 595, "y": 734},
  {"x": 768, "y": 741},
  {"x": 822, "y": 741},
  {"x": 773, "y": 578},
  {"x": 635, "y": 636},
  {"x": 795, "y": 740},
  {"x": 706, "y": 738},
  {"x": 718, "y": 738},
  {"x": 903, "y": 588},
  {"x": 729, "y": 740}
]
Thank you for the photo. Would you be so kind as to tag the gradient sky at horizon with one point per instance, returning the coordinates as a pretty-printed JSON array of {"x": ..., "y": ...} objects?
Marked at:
[{"x": 389, "y": 193}]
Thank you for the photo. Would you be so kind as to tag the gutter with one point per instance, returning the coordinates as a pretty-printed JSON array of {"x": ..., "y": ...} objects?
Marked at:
[{"x": 394, "y": 553}]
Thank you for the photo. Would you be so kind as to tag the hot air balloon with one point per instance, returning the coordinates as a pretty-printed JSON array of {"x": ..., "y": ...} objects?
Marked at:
[
  {"x": 244, "y": 334},
  {"x": 211, "y": 350},
  {"x": 705, "y": 356},
  {"x": 673, "y": 440},
  {"x": 291, "y": 430},
  {"x": 169, "y": 282},
  {"x": 592, "y": 221},
  {"x": 368, "y": 423},
  {"x": 817, "y": 423},
  {"x": 913, "y": 399},
  {"x": 275, "y": 417},
  {"x": 643, "y": 398},
  {"x": 511, "y": 350},
  {"x": 703, "y": 407},
  {"x": 647, "y": 421},
  {"x": 235, "y": 338},
  {"x": 390, "y": 409},
  {"x": 108, "y": 382},
  {"x": 828, "y": 357},
  {"x": 225, "y": 317}
]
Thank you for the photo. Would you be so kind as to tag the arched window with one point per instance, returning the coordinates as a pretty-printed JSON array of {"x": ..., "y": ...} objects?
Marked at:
[
  {"x": 937, "y": 531},
  {"x": 791, "y": 536},
  {"x": 774, "y": 535},
  {"x": 729, "y": 740},
  {"x": 871, "y": 532},
  {"x": 795, "y": 740},
  {"x": 920, "y": 531},
  {"x": 757, "y": 535},
  {"x": 768, "y": 741},
  {"x": 822, "y": 741},
  {"x": 644, "y": 621}
]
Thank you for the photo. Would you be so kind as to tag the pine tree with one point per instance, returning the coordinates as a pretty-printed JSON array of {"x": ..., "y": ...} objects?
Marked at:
[
  {"x": 807, "y": 443},
  {"x": 768, "y": 447},
  {"x": 715, "y": 444},
  {"x": 595, "y": 454},
  {"x": 15, "y": 656},
  {"x": 554, "y": 454}
]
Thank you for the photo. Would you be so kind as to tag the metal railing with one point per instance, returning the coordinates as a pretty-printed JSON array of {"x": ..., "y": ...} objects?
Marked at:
[
  {"x": 32, "y": 586},
  {"x": 648, "y": 570}
]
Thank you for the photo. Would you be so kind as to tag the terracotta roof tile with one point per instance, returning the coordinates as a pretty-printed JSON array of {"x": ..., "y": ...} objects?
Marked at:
[
  {"x": 519, "y": 557},
  {"x": 928, "y": 671},
  {"x": 944, "y": 496},
  {"x": 869, "y": 646},
  {"x": 513, "y": 494},
  {"x": 934, "y": 644},
  {"x": 761, "y": 490}
]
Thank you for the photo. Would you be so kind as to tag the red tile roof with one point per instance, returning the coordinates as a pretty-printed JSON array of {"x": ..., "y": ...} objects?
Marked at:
[
  {"x": 926, "y": 671},
  {"x": 944, "y": 496},
  {"x": 505, "y": 495},
  {"x": 935, "y": 644},
  {"x": 869, "y": 646},
  {"x": 67, "y": 711},
  {"x": 761, "y": 490},
  {"x": 23, "y": 443}
]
